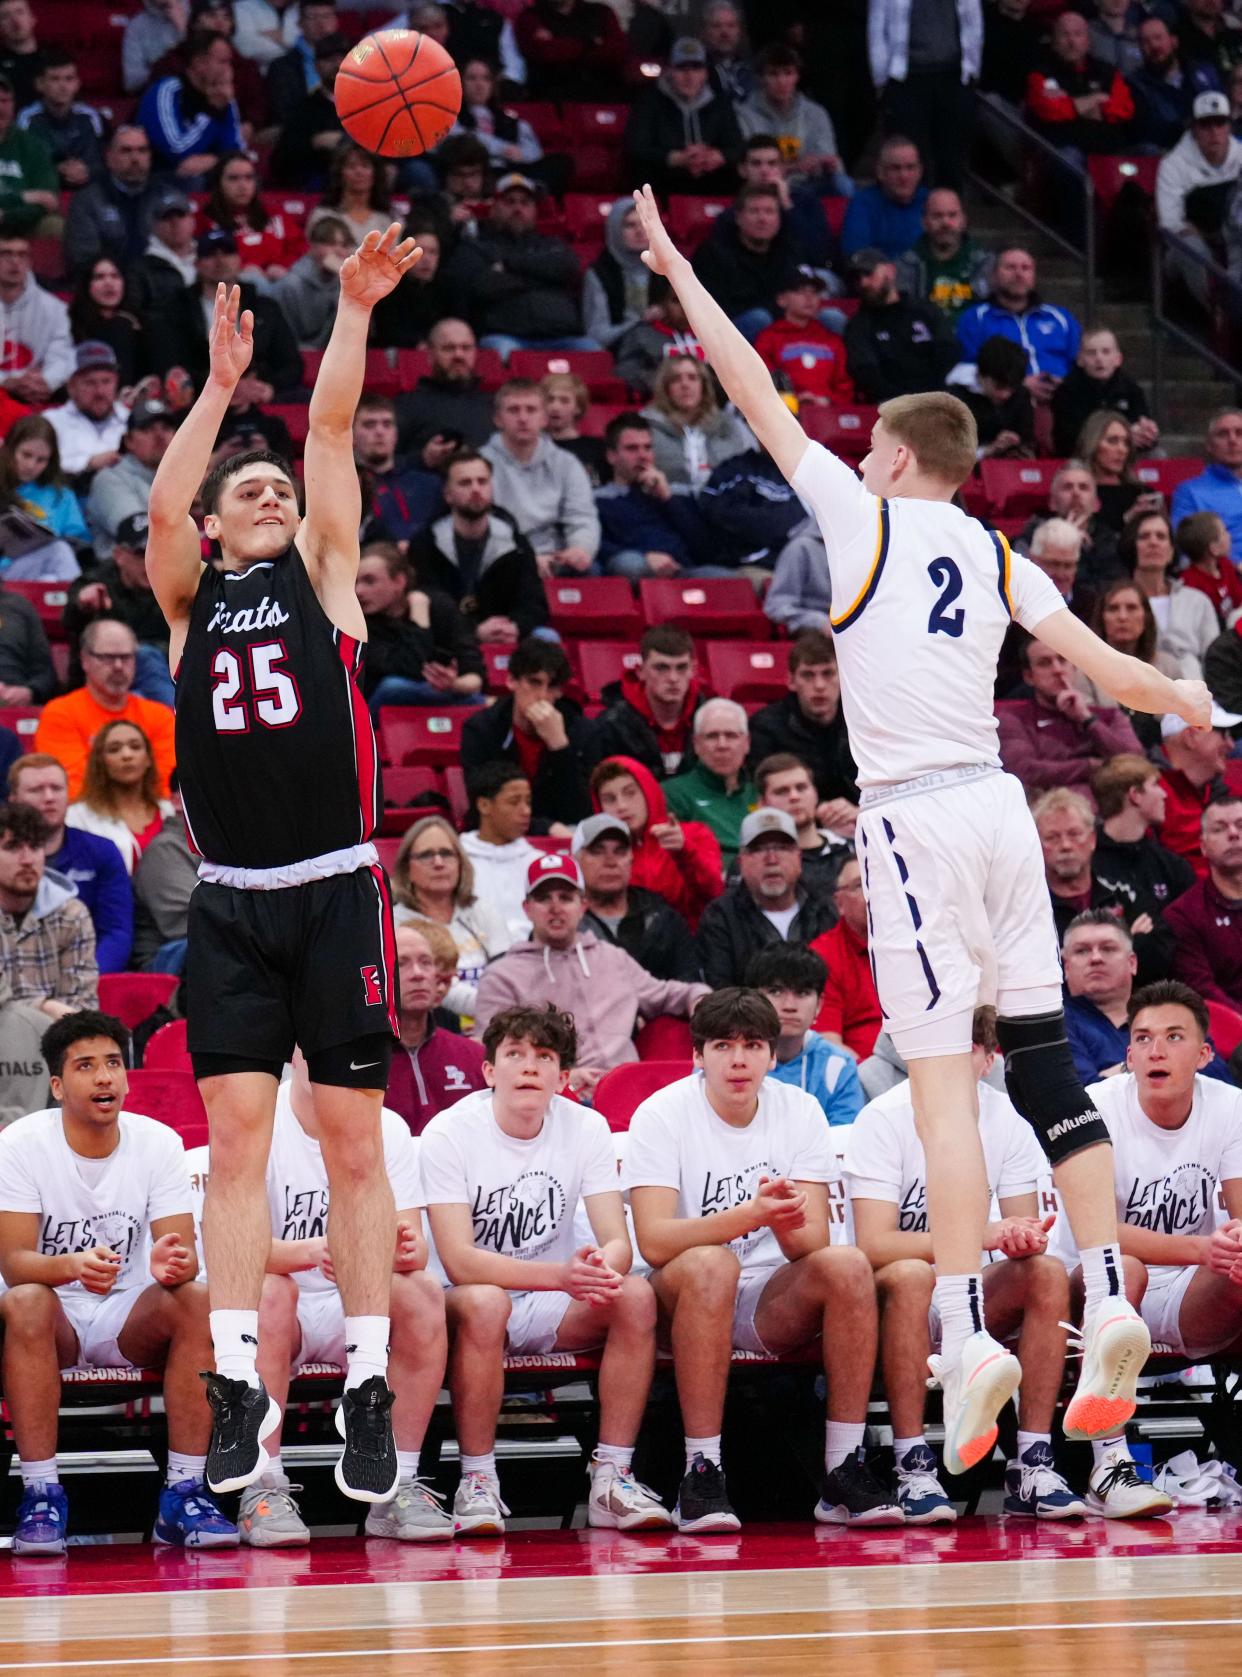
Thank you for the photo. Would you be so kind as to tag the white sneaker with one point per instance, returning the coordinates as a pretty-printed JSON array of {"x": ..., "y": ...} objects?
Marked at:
[
  {"x": 1116, "y": 1491},
  {"x": 415, "y": 1515},
  {"x": 477, "y": 1508},
  {"x": 976, "y": 1387},
  {"x": 1115, "y": 1345},
  {"x": 619, "y": 1503}
]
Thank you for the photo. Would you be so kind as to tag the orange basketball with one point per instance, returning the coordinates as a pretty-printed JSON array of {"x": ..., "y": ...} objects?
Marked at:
[{"x": 398, "y": 93}]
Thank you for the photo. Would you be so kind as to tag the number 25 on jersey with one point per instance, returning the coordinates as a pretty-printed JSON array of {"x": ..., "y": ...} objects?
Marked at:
[{"x": 273, "y": 698}]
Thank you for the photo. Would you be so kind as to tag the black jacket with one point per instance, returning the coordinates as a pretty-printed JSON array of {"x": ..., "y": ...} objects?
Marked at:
[
  {"x": 658, "y": 126},
  {"x": 737, "y": 277},
  {"x": 655, "y": 935},
  {"x": 623, "y": 731},
  {"x": 436, "y": 405},
  {"x": 899, "y": 349},
  {"x": 733, "y": 928},
  {"x": 1222, "y": 670},
  {"x": 1077, "y": 397},
  {"x": 823, "y": 747},
  {"x": 1140, "y": 878},
  {"x": 179, "y": 339},
  {"x": 25, "y": 657},
  {"x": 286, "y": 87},
  {"x": 137, "y": 607},
  {"x": 526, "y": 286},
  {"x": 395, "y": 646},
  {"x": 507, "y": 586},
  {"x": 559, "y": 790}
]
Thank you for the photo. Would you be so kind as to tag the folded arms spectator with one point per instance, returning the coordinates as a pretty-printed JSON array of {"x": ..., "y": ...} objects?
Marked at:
[
  {"x": 682, "y": 135},
  {"x": 1081, "y": 104}
]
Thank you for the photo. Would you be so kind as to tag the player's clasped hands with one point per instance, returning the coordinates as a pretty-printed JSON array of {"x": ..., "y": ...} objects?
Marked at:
[
  {"x": 1019, "y": 1237},
  {"x": 1225, "y": 1251},
  {"x": 780, "y": 1205},
  {"x": 411, "y": 1250},
  {"x": 172, "y": 1261},
  {"x": 97, "y": 1268},
  {"x": 590, "y": 1277}
]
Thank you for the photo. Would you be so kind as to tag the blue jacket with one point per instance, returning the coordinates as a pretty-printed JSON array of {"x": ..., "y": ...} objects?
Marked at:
[
  {"x": 827, "y": 1072},
  {"x": 872, "y": 219},
  {"x": 1096, "y": 1043},
  {"x": 178, "y": 126},
  {"x": 1162, "y": 111},
  {"x": 1049, "y": 335},
  {"x": 95, "y": 866},
  {"x": 1216, "y": 490},
  {"x": 631, "y": 519}
]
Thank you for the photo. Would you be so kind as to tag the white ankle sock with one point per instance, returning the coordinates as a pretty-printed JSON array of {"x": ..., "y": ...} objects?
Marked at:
[
  {"x": 184, "y": 1467},
  {"x": 619, "y": 1455},
  {"x": 485, "y": 1466},
  {"x": 1102, "y": 1275},
  {"x": 708, "y": 1448},
  {"x": 903, "y": 1446},
  {"x": 41, "y": 1473},
  {"x": 366, "y": 1347},
  {"x": 235, "y": 1339},
  {"x": 407, "y": 1465},
  {"x": 959, "y": 1300},
  {"x": 1026, "y": 1439},
  {"x": 1100, "y": 1445},
  {"x": 841, "y": 1439}
]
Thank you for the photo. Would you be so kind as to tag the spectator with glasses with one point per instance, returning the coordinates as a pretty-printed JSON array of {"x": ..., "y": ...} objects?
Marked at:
[{"x": 68, "y": 725}]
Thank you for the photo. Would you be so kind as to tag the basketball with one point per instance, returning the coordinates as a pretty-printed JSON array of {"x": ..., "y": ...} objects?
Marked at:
[{"x": 398, "y": 93}]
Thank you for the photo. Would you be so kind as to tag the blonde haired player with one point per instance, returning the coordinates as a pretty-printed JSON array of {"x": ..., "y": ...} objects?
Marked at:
[{"x": 954, "y": 879}]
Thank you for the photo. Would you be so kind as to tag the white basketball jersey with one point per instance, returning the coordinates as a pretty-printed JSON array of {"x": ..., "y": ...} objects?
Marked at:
[{"x": 922, "y": 595}]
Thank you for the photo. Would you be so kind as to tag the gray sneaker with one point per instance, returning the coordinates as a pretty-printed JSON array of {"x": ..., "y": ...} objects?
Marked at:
[
  {"x": 415, "y": 1515},
  {"x": 268, "y": 1517},
  {"x": 477, "y": 1508}
]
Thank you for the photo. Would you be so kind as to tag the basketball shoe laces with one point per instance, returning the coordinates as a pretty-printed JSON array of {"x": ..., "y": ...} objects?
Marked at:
[
  {"x": 1122, "y": 1473},
  {"x": 1038, "y": 1478},
  {"x": 368, "y": 1421}
]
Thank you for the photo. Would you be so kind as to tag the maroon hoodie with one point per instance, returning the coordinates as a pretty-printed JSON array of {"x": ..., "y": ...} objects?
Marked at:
[
  {"x": 1207, "y": 953},
  {"x": 425, "y": 1080}
]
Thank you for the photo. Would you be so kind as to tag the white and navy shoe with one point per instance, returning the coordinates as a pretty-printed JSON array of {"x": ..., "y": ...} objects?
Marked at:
[
  {"x": 1116, "y": 1491},
  {"x": 977, "y": 1385},
  {"x": 1034, "y": 1488},
  {"x": 920, "y": 1495}
]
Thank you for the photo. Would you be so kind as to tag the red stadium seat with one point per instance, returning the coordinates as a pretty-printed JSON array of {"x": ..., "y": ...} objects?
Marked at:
[
  {"x": 738, "y": 670},
  {"x": 707, "y": 607},
  {"x": 834, "y": 214},
  {"x": 846, "y": 431},
  {"x": 296, "y": 416},
  {"x": 690, "y": 218},
  {"x": 587, "y": 212},
  {"x": 1226, "y": 1028},
  {"x": 622, "y": 1090},
  {"x": 602, "y": 662},
  {"x": 387, "y": 849},
  {"x": 23, "y": 719},
  {"x": 49, "y": 600},
  {"x": 1110, "y": 174},
  {"x": 413, "y": 364},
  {"x": 550, "y": 844},
  {"x": 664, "y": 1038},
  {"x": 422, "y": 736},
  {"x": 1165, "y": 475},
  {"x": 293, "y": 206},
  {"x": 173, "y": 1098},
  {"x": 1018, "y": 488},
  {"x": 593, "y": 366},
  {"x": 596, "y": 125},
  {"x": 592, "y": 605},
  {"x": 132, "y": 997},
  {"x": 545, "y": 119},
  {"x": 598, "y": 168},
  {"x": 166, "y": 1051},
  {"x": 406, "y": 788},
  {"x": 496, "y": 661}
]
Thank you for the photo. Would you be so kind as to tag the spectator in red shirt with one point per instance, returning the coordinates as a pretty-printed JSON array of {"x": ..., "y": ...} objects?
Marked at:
[
  {"x": 1204, "y": 540},
  {"x": 1081, "y": 104},
  {"x": 801, "y": 347},
  {"x": 1056, "y": 737},
  {"x": 679, "y": 860},
  {"x": 431, "y": 1067},
  {"x": 267, "y": 244},
  {"x": 574, "y": 49},
  {"x": 849, "y": 1014},
  {"x": 1198, "y": 771},
  {"x": 1207, "y": 919}
]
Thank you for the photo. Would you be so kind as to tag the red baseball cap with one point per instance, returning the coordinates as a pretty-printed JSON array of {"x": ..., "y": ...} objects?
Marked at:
[{"x": 556, "y": 864}]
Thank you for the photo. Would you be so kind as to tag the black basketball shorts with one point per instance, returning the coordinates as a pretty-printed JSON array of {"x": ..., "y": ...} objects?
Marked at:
[{"x": 313, "y": 965}]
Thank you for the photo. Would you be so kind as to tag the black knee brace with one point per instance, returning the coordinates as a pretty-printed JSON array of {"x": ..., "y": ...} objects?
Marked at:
[{"x": 1045, "y": 1087}]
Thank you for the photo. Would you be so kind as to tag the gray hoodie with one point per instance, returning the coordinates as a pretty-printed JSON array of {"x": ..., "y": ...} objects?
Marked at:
[
  {"x": 804, "y": 127},
  {"x": 146, "y": 39},
  {"x": 549, "y": 495},
  {"x": 633, "y": 279},
  {"x": 801, "y": 596},
  {"x": 117, "y": 492},
  {"x": 308, "y": 297},
  {"x": 38, "y": 322}
]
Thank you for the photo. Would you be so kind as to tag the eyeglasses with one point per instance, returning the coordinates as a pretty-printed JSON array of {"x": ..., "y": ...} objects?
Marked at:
[
  {"x": 111, "y": 657},
  {"x": 433, "y": 856}
]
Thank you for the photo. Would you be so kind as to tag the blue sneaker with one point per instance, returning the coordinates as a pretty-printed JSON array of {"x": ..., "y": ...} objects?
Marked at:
[
  {"x": 1034, "y": 1488},
  {"x": 42, "y": 1521},
  {"x": 920, "y": 1495},
  {"x": 190, "y": 1519}
]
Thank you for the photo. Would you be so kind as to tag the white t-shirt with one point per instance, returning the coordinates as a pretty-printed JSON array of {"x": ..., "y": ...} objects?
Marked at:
[
  {"x": 884, "y": 1157},
  {"x": 522, "y": 1194},
  {"x": 781, "y": 918},
  {"x": 922, "y": 596},
  {"x": 1166, "y": 1180},
  {"x": 678, "y": 1140},
  {"x": 297, "y": 1180},
  {"x": 143, "y": 1180}
]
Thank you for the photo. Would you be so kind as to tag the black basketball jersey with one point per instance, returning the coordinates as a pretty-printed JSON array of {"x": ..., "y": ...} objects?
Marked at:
[{"x": 275, "y": 751}]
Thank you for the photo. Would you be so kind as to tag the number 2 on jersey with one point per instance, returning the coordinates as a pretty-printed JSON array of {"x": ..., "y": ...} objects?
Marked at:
[
  {"x": 945, "y": 574},
  {"x": 274, "y": 694}
]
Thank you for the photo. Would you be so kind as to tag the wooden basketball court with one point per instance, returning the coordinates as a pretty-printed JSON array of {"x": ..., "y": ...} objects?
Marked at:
[{"x": 988, "y": 1597}]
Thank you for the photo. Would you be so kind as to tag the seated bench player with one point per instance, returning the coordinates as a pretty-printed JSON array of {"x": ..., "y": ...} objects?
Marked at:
[
  {"x": 728, "y": 1173},
  {"x": 98, "y": 1255},
  {"x": 1177, "y": 1137},
  {"x": 1024, "y": 1292},
  {"x": 503, "y": 1172},
  {"x": 302, "y": 1320}
]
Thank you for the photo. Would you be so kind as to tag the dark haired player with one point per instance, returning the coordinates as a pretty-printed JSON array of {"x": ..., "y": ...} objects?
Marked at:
[{"x": 290, "y": 928}]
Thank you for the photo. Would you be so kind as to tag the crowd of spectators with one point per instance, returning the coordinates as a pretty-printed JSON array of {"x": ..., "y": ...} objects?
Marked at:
[{"x": 620, "y": 850}]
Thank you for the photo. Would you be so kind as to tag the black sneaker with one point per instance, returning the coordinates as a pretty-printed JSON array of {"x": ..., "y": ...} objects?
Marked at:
[
  {"x": 852, "y": 1496},
  {"x": 367, "y": 1470},
  {"x": 242, "y": 1415},
  {"x": 702, "y": 1502}
]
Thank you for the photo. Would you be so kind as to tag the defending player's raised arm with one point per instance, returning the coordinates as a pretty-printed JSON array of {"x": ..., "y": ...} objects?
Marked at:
[
  {"x": 174, "y": 554},
  {"x": 328, "y": 538},
  {"x": 745, "y": 378},
  {"x": 1130, "y": 681}
]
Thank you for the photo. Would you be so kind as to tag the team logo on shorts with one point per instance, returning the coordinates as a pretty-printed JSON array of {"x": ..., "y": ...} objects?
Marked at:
[{"x": 371, "y": 992}]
